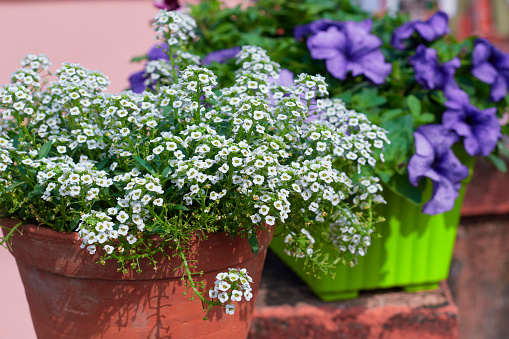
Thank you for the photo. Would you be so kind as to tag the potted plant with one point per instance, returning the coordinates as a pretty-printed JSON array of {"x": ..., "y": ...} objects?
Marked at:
[
  {"x": 442, "y": 101},
  {"x": 120, "y": 207}
]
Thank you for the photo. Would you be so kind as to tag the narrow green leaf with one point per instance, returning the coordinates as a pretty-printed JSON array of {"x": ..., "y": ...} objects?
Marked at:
[
  {"x": 166, "y": 171},
  {"x": 15, "y": 141},
  {"x": 144, "y": 163},
  {"x": 253, "y": 242},
  {"x": 503, "y": 149},
  {"x": 45, "y": 149},
  {"x": 499, "y": 163},
  {"x": 102, "y": 163},
  {"x": 180, "y": 207}
]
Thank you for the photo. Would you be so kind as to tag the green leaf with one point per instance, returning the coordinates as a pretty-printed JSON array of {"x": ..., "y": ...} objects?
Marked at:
[
  {"x": 166, "y": 171},
  {"x": 502, "y": 149},
  {"x": 426, "y": 118},
  {"x": 139, "y": 58},
  {"x": 145, "y": 164},
  {"x": 37, "y": 190},
  {"x": 102, "y": 163},
  {"x": 399, "y": 184},
  {"x": 74, "y": 223},
  {"x": 45, "y": 149},
  {"x": 180, "y": 207},
  {"x": 253, "y": 242},
  {"x": 499, "y": 163},
  {"x": 414, "y": 105},
  {"x": 15, "y": 141}
]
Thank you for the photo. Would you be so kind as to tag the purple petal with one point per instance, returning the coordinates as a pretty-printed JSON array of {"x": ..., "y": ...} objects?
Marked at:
[
  {"x": 400, "y": 34},
  {"x": 221, "y": 55},
  {"x": 435, "y": 160},
  {"x": 485, "y": 72},
  {"x": 442, "y": 199},
  {"x": 337, "y": 66},
  {"x": 374, "y": 67},
  {"x": 434, "y": 28},
  {"x": 498, "y": 89},
  {"x": 326, "y": 45},
  {"x": 315, "y": 27},
  {"x": 158, "y": 51},
  {"x": 301, "y": 31},
  {"x": 482, "y": 51},
  {"x": 359, "y": 41},
  {"x": 169, "y": 5},
  {"x": 137, "y": 82}
]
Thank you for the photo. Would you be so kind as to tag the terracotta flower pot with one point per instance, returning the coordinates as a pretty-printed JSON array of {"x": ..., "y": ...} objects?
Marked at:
[{"x": 72, "y": 296}]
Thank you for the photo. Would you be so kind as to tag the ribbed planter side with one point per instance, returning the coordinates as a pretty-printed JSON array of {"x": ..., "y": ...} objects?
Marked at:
[
  {"x": 72, "y": 296},
  {"x": 413, "y": 252}
]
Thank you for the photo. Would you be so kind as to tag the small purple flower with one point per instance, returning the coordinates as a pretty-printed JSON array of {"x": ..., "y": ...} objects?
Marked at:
[
  {"x": 435, "y": 160},
  {"x": 314, "y": 27},
  {"x": 429, "y": 73},
  {"x": 490, "y": 65},
  {"x": 221, "y": 55},
  {"x": 431, "y": 30},
  {"x": 480, "y": 128},
  {"x": 158, "y": 51},
  {"x": 137, "y": 81},
  {"x": 351, "y": 49},
  {"x": 169, "y": 5}
]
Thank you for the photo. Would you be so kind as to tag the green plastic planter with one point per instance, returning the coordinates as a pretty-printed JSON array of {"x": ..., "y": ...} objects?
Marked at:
[{"x": 414, "y": 252}]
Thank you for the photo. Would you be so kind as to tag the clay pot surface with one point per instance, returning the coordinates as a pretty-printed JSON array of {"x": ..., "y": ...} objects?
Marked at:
[{"x": 70, "y": 295}]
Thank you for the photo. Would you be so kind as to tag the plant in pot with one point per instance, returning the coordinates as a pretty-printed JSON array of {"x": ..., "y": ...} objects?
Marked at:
[
  {"x": 442, "y": 101},
  {"x": 119, "y": 208}
]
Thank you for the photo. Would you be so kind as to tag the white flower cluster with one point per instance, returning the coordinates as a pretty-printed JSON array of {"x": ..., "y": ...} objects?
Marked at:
[
  {"x": 255, "y": 60},
  {"x": 129, "y": 164},
  {"x": 232, "y": 286},
  {"x": 174, "y": 27},
  {"x": 296, "y": 241},
  {"x": 36, "y": 62}
]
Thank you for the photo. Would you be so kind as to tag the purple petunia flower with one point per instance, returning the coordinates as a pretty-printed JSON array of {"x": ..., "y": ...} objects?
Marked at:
[
  {"x": 169, "y": 5},
  {"x": 221, "y": 55},
  {"x": 429, "y": 73},
  {"x": 434, "y": 28},
  {"x": 480, "y": 128},
  {"x": 435, "y": 160},
  {"x": 137, "y": 81},
  {"x": 158, "y": 51},
  {"x": 490, "y": 65},
  {"x": 351, "y": 49},
  {"x": 315, "y": 27}
]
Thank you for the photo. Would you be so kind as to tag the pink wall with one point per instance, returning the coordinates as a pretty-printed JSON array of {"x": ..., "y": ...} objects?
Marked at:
[{"x": 100, "y": 35}]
